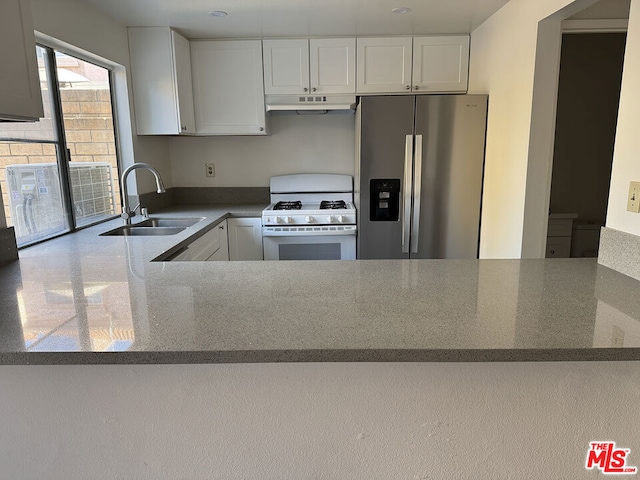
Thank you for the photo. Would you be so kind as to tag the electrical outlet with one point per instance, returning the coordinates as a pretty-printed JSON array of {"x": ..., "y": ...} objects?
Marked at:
[
  {"x": 211, "y": 169},
  {"x": 633, "y": 199}
]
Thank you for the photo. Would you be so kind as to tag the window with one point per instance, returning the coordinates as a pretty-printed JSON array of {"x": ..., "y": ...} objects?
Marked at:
[{"x": 61, "y": 173}]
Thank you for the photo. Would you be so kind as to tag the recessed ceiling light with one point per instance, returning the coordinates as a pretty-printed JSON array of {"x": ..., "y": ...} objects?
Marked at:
[
  {"x": 218, "y": 13},
  {"x": 401, "y": 10}
]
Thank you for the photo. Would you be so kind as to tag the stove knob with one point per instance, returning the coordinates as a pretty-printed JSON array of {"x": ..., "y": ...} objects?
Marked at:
[
  {"x": 340, "y": 218},
  {"x": 308, "y": 219},
  {"x": 288, "y": 220},
  {"x": 330, "y": 219},
  {"x": 276, "y": 220}
]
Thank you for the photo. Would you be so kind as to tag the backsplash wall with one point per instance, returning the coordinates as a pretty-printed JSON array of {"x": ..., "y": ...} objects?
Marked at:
[{"x": 297, "y": 144}]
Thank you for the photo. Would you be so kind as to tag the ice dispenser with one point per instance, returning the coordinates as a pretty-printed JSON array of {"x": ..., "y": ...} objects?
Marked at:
[{"x": 385, "y": 200}]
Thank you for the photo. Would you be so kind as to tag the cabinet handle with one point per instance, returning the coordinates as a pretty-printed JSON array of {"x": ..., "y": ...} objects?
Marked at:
[
  {"x": 408, "y": 87},
  {"x": 184, "y": 128},
  {"x": 221, "y": 227},
  {"x": 314, "y": 89},
  {"x": 261, "y": 129},
  {"x": 416, "y": 87},
  {"x": 306, "y": 89}
]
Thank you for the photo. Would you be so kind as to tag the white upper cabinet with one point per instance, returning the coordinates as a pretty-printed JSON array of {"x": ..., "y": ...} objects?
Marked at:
[
  {"x": 384, "y": 65},
  {"x": 440, "y": 64},
  {"x": 300, "y": 66},
  {"x": 286, "y": 66},
  {"x": 184, "y": 83},
  {"x": 436, "y": 64},
  {"x": 228, "y": 87},
  {"x": 20, "y": 95},
  {"x": 332, "y": 63},
  {"x": 161, "y": 75}
]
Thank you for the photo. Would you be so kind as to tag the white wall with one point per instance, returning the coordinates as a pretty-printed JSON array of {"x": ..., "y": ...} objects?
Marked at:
[
  {"x": 503, "y": 61},
  {"x": 297, "y": 144},
  {"x": 610, "y": 9},
  {"x": 315, "y": 421},
  {"x": 82, "y": 26},
  {"x": 626, "y": 157}
]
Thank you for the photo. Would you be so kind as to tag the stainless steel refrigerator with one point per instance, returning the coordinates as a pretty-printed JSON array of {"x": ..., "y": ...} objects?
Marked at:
[{"x": 419, "y": 175}]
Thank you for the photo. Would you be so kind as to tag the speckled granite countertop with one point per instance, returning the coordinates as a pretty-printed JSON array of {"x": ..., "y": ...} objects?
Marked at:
[{"x": 90, "y": 299}]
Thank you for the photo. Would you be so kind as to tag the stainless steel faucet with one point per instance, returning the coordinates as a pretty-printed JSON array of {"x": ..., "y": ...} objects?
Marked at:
[{"x": 127, "y": 212}]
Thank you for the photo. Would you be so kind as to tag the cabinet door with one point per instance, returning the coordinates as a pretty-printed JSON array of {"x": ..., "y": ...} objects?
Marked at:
[
  {"x": 286, "y": 66},
  {"x": 161, "y": 76},
  {"x": 384, "y": 65},
  {"x": 20, "y": 95},
  {"x": 183, "y": 256},
  {"x": 207, "y": 245},
  {"x": 440, "y": 64},
  {"x": 245, "y": 238},
  {"x": 184, "y": 83},
  {"x": 227, "y": 87},
  {"x": 222, "y": 253},
  {"x": 332, "y": 65},
  {"x": 558, "y": 247}
]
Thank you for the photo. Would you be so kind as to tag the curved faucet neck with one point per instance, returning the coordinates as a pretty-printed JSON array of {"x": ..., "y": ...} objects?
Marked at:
[{"x": 127, "y": 213}]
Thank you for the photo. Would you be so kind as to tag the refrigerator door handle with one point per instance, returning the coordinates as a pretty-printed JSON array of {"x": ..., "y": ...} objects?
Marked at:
[
  {"x": 417, "y": 193},
  {"x": 406, "y": 204}
]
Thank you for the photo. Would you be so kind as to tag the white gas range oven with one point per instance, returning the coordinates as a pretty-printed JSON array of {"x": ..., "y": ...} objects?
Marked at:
[{"x": 311, "y": 217}]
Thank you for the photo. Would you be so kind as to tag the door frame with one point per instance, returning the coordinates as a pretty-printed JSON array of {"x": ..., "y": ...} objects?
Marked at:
[{"x": 543, "y": 121}]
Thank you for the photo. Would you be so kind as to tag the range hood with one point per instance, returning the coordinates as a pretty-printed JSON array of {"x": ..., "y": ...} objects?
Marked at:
[{"x": 311, "y": 103}]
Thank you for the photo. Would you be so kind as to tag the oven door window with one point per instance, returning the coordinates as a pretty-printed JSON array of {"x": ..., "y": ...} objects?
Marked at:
[
  {"x": 310, "y": 247},
  {"x": 309, "y": 251}
]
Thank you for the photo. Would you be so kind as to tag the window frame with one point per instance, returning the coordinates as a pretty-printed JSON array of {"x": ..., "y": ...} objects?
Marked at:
[{"x": 51, "y": 46}]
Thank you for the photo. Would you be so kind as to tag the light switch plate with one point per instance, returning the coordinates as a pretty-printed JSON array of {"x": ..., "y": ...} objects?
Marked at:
[
  {"x": 633, "y": 199},
  {"x": 211, "y": 169}
]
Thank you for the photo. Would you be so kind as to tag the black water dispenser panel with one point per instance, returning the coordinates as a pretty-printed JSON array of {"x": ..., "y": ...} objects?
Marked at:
[{"x": 385, "y": 200}]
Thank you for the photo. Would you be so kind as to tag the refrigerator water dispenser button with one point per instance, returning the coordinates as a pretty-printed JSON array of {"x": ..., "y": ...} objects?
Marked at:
[{"x": 384, "y": 200}]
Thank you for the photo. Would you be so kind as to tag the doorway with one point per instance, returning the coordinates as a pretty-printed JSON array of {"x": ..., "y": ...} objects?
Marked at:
[{"x": 587, "y": 108}]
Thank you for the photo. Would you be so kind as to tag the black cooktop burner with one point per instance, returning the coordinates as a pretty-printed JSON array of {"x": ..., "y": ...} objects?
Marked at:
[
  {"x": 332, "y": 204},
  {"x": 288, "y": 205}
]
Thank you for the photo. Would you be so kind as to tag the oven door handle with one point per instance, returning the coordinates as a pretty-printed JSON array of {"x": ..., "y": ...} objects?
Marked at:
[{"x": 303, "y": 232}]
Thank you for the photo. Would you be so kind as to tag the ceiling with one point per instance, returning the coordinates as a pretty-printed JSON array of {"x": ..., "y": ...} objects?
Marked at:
[{"x": 269, "y": 18}]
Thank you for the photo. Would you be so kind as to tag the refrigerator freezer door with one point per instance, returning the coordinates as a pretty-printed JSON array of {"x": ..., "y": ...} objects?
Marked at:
[
  {"x": 453, "y": 129},
  {"x": 386, "y": 122}
]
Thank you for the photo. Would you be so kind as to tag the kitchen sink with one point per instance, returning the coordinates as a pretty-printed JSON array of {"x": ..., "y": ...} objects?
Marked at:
[
  {"x": 155, "y": 226},
  {"x": 135, "y": 230},
  {"x": 169, "y": 222}
]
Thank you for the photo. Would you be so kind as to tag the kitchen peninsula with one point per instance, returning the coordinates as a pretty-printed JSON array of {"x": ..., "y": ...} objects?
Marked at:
[
  {"x": 91, "y": 299},
  {"x": 392, "y": 369}
]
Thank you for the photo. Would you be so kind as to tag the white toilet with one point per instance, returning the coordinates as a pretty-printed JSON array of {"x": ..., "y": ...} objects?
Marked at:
[{"x": 585, "y": 238}]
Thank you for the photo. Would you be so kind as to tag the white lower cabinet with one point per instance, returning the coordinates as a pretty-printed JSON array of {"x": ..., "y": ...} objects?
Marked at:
[
  {"x": 212, "y": 246},
  {"x": 222, "y": 253},
  {"x": 245, "y": 238},
  {"x": 232, "y": 239},
  {"x": 559, "y": 232}
]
